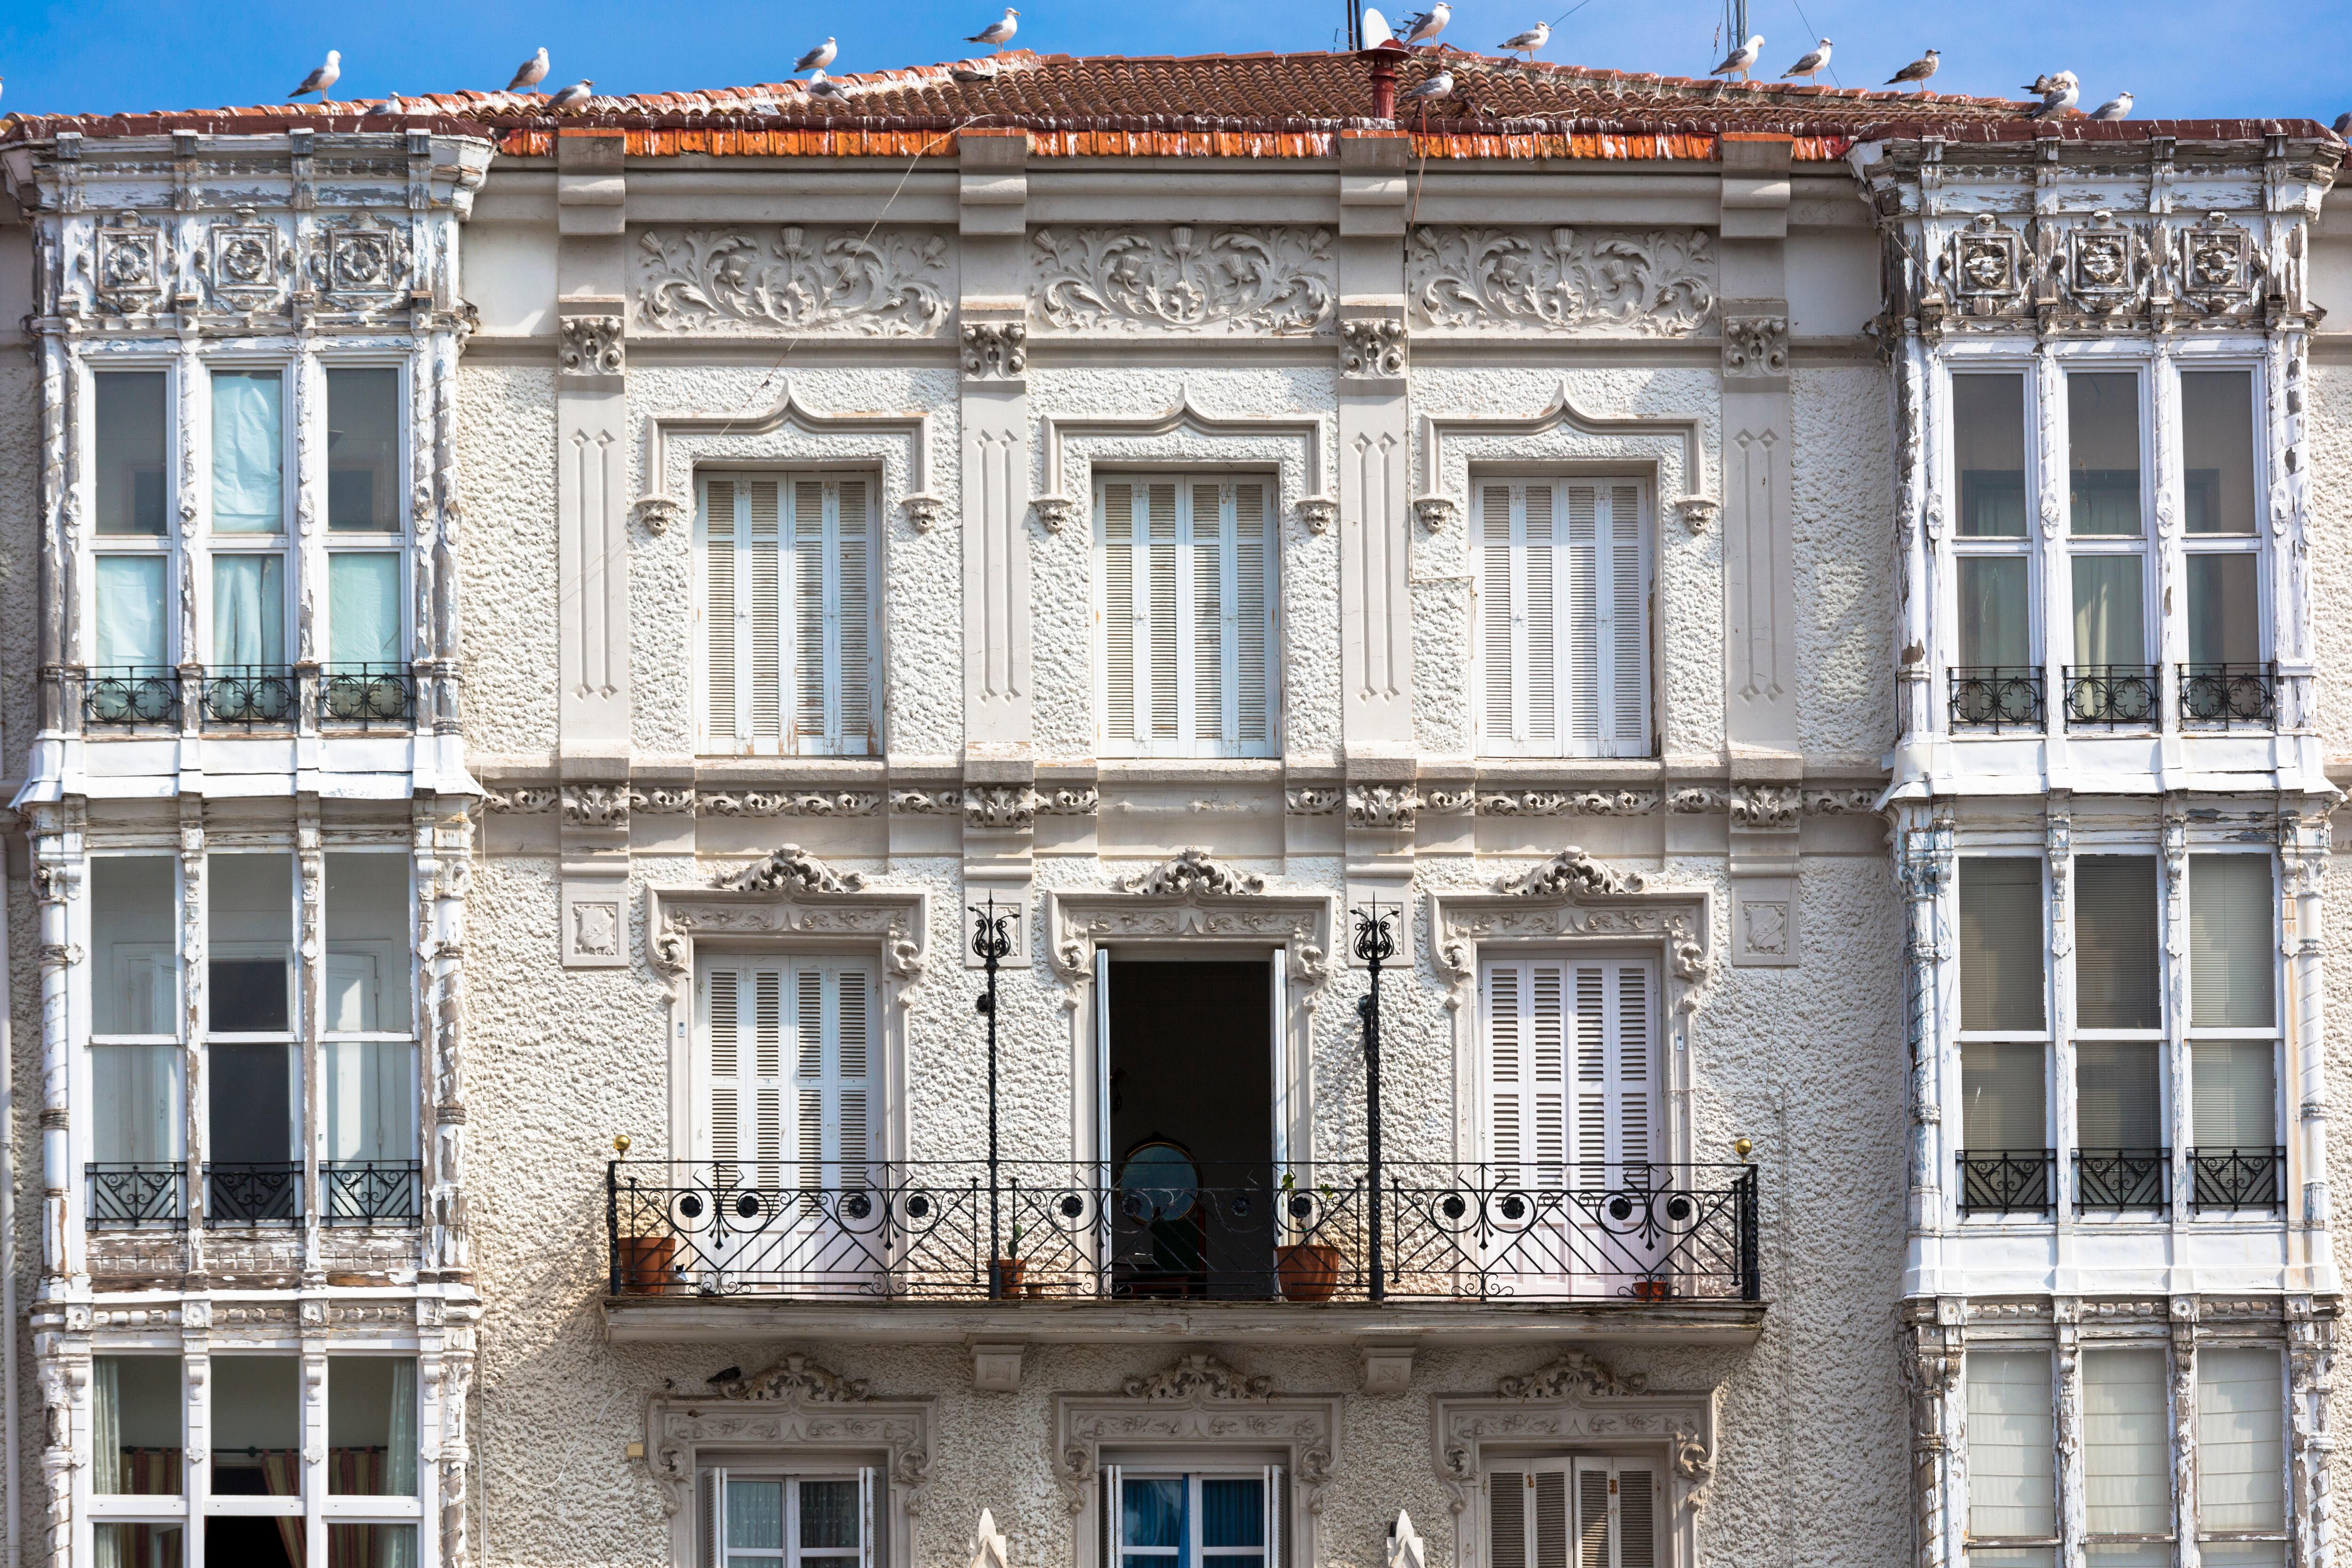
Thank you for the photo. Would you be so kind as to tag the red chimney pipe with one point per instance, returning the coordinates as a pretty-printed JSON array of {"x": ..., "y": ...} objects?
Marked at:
[{"x": 1384, "y": 56}]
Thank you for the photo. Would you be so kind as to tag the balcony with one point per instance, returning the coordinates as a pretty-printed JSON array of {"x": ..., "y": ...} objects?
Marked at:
[
  {"x": 1996, "y": 697},
  {"x": 137, "y": 1197},
  {"x": 1056, "y": 1245},
  {"x": 2123, "y": 1179},
  {"x": 339, "y": 697},
  {"x": 2229, "y": 696},
  {"x": 371, "y": 1192},
  {"x": 2008, "y": 1181},
  {"x": 2111, "y": 696},
  {"x": 127, "y": 696},
  {"x": 2237, "y": 1179},
  {"x": 243, "y": 1193},
  {"x": 367, "y": 696},
  {"x": 354, "y": 1192},
  {"x": 250, "y": 696}
]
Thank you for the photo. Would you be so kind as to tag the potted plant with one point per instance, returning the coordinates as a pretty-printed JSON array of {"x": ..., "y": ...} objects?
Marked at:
[
  {"x": 647, "y": 1265},
  {"x": 1005, "y": 1273},
  {"x": 1307, "y": 1270}
]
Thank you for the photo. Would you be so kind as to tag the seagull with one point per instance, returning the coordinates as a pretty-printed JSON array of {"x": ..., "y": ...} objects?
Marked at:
[
  {"x": 320, "y": 80},
  {"x": 2059, "y": 94},
  {"x": 572, "y": 96},
  {"x": 967, "y": 75},
  {"x": 1918, "y": 71},
  {"x": 1425, "y": 29},
  {"x": 1439, "y": 85},
  {"x": 1812, "y": 66},
  {"x": 2343, "y": 126},
  {"x": 998, "y": 32},
  {"x": 818, "y": 58},
  {"x": 2115, "y": 108},
  {"x": 530, "y": 73},
  {"x": 1742, "y": 60},
  {"x": 1529, "y": 42},
  {"x": 822, "y": 86}
]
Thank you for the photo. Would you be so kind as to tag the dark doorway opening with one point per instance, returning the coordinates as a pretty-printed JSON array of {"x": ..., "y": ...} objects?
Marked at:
[{"x": 1191, "y": 1128}]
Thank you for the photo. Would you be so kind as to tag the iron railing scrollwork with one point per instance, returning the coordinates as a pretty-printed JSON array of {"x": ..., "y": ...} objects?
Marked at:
[
  {"x": 146, "y": 1196},
  {"x": 1995, "y": 697},
  {"x": 369, "y": 696},
  {"x": 2237, "y": 1178},
  {"x": 131, "y": 694},
  {"x": 371, "y": 1192},
  {"x": 2123, "y": 1179},
  {"x": 2117, "y": 695},
  {"x": 264, "y": 1193},
  {"x": 255, "y": 696},
  {"x": 2229, "y": 696},
  {"x": 2007, "y": 1180}
]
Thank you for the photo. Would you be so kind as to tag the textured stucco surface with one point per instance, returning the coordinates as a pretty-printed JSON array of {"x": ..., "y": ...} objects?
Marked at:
[
  {"x": 505, "y": 465},
  {"x": 1844, "y": 564}
]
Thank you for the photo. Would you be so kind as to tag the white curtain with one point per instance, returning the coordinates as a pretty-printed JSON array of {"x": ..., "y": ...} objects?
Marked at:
[
  {"x": 130, "y": 611},
  {"x": 2233, "y": 1089},
  {"x": 106, "y": 1426},
  {"x": 364, "y": 607},
  {"x": 2013, "y": 1444},
  {"x": 248, "y": 610},
  {"x": 1993, "y": 611},
  {"x": 2230, "y": 949},
  {"x": 2239, "y": 1421},
  {"x": 2108, "y": 629},
  {"x": 248, "y": 454},
  {"x": 370, "y": 1100},
  {"x": 400, "y": 1465},
  {"x": 137, "y": 1120},
  {"x": 2125, "y": 1441}
]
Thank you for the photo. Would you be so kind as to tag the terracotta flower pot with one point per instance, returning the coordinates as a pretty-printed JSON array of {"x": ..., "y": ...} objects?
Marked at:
[
  {"x": 1653, "y": 1290},
  {"x": 648, "y": 1265},
  {"x": 1007, "y": 1272},
  {"x": 1309, "y": 1270}
]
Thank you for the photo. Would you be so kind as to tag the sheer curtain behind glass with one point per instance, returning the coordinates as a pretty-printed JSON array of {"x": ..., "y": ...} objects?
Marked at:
[
  {"x": 2241, "y": 1464},
  {"x": 364, "y": 607},
  {"x": 129, "y": 612},
  {"x": 249, "y": 452},
  {"x": 2127, "y": 1456},
  {"x": 248, "y": 610},
  {"x": 2013, "y": 1446}
]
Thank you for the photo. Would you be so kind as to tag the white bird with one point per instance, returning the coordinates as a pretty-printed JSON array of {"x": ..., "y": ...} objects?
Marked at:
[
  {"x": 320, "y": 80},
  {"x": 1440, "y": 85},
  {"x": 822, "y": 86},
  {"x": 2059, "y": 94},
  {"x": 1529, "y": 42},
  {"x": 1423, "y": 28},
  {"x": 818, "y": 58},
  {"x": 998, "y": 32},
  {"x": 1918, "y": 71},
  {"x": 1742, "y": 60},
  {"x": 572, "y": 96},
  {"x": 2115, "y": 108},
  {"x": 1812, "y": 66},
  {"x": 530, "y": 73}
]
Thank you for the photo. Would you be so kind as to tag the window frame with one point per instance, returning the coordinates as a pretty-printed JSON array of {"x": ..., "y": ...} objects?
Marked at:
[
  {"x": 711, "y": 1547},
  {"x": 1190, "y": 1552},
  {"x": 331, "y": 541},
  {"x": 2253, "y": 543},
  {"x": 166, "y": 546},
  {"x": 2285, "y": 1535},
  {"x": 2046, "y": 1037},
  {"x": 1962, "y": 547},
  {"x": 2191, "y": 1032},
  {"x": 217, "y": 545}
]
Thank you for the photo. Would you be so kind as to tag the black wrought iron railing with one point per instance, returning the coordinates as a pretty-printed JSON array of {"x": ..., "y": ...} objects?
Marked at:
[
  {"x": 1995, "y": 697},
  {"x": 2008, "y": 1181},
  {"x": 2229, "y": 696},
  {"x": 1639, "y": 1232},
  {"x": 137, "y": 1197},
  {"x": 2123, "y": 1179},
  {"x": 131, "y": 694},
  {"x": 253, "y": 1194},
  {"x": 368, "y": 696},
  {"x": 2237, "y": 1178},
  {"x": 370, "y": 1192},
  {"x": 2116, "y": 696},
  {"x": 256, "y": 696}
]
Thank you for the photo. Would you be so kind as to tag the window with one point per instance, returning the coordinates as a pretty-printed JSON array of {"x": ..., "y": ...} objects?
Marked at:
[
  {"x": 1581, "y": 1513},
  {"x": 129, "y": 645},
  {"x": 254, "y": 1172},
  {"x": 1572, "y": 1070},
  {"x": 128, "y": 416},
  {"x": 246, "y": 681},
  {"x": 1204, "y": 1518},
  {"x": 2002, "y": 945},
  {"x": 791, "y": 641},
  {"x": 1186, "y": 610},
  {"x": 2123, "y": 1158},
  {"x": 137, "y": 1126},
  {"x": 369, "y": 1054},
  {"x": 2012, "y": 1473},
  {"x": 2226, "y": 677},
  {"x": 1996, "y": 681},
  {"x": 364, "y": 450},
  {"x": 371, "y": 1452},
  {"x": 257, "y": 1458},
  {"x": 2240, "y": 1466},
  {"x": 2236, "y": 1158},
  {"x": 249, "y": 452},
  {"x": 1563, "y": 632},
  {"x": 137, "y": 1452},
  {"x": 2004, "y": 1154},
  {"x": 2126, "y": 1459},
  {"x": 789, "y": 1070},
  {"x": 2109, "y": 681},
  {"x": 756, "y": 1520}
]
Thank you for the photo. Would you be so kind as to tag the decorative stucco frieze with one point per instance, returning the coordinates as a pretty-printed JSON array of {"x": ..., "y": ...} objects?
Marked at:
[
  {"x": 1069, "y": 802},
  {"x": 1000, "y": 805},
  {"x": 1765, "y": 807},
  {"x": 1396, "y": 806},
  {"x": 1641, "y": 283},
  {"x": 361, "y": 263},
  {"x": 1311, "y": 802},
  {"x": 1570, "y": 873},
  {"x": 1197, "y": 1377},
  {"x": 247, "y": 264},
  {"x": 2105, "y": 267},
  {"x": 796, "y": 1405},
  {"x": 590, "y": 345},
  {"x": 789, "y": 803},
  {"x": 883, "y": 283},
  {"x": 1574, "y": 1372},
  {"x": 1567, "y": 802},
  {"x": 523, "y": 801},
  {"x": 596, "y": 805},
  {"x": 128, "y": 270},
  {"x": 2221, "y": 267},
  {"x": 926, "y": 802},
  {"x": 791, "y": 868},
  {"x": 1184, "y": 278},
  {"x": 796, "y": 1378}
]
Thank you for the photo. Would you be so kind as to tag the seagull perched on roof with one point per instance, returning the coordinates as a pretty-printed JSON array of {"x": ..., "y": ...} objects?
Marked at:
[
  {"x": 530, "y": 73},
  {"x": 2343, "y": 126},
  {"x": 1439, "y": 85},
  {"x": 998, "y": 32},
  {"x": 1918, "y": 71},
  {"x": 2059, "y": 94},
  {"x": 823, "y": 86},
  {"x": 320, "y": 80},
  {"x": 1529, "y": 42},
  {"x": 1414, "y": 31},
  {"x": 967, "y": 75},
  {"x": 817, "y": 58},
  {"x": 572, "y": 96},
  {"x": 1812, "y": 65},
  {"x": 2115, "y": 108},
  {"x": 1742, "y": 60}
]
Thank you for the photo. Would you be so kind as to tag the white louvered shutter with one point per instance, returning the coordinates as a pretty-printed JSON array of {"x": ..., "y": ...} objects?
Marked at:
[
  {"x": 854, "y": 626},
  {"x": 1527, "y": 1088},
  {"x": 1117, "y": 510},
  {"x": 811, "y": 604},
  {"x": 744, "y": 1033},
  {"x": 1187, "y": 625},
  {"x": 789, "y": 615},
  {"x": 1617, "y": 1513},
  {"x": 719, "y": 609},
  {"x": 1616, "y": 1071},
  {"x": 763, "y": 614},
  {"x": 1507, "y": 1519},
  {"x": 833, "y": 1072},
  {"x": 1161, "y": 636},
  {"x": 1563, "y": 581}
]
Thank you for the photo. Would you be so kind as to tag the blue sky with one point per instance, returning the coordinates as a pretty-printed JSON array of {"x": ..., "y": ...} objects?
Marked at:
[{"x": 2182, "y": 58}]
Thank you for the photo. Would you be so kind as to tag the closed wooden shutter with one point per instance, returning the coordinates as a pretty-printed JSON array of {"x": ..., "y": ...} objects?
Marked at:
[
  {"x": 764, "y": 614},
  {"x": 718, "y": 608},
  {"x": 833, "y": 1072},
  {"x": 743, "y": 1025},
  {"x": 1528, "y": 1516},
  {"x": 789, "y": 1064},
  {"x": 1563, "y": 583},
  {"x": 1618, "y": 1512},
  {"x": 1572, "y": 1068},
  {"x": 1117, "y": 510}
]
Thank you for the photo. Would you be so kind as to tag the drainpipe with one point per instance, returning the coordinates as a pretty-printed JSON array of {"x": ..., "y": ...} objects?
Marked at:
[{"x": 9, "y": 1436}]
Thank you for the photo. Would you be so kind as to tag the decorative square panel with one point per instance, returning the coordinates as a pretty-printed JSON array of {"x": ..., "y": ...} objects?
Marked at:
[
  {"x": 1988, "y": 267},
  {"x": 2218, "y": 265},
  {"x": 249, "y": 263},
  {"x": 127, "y": 271}
]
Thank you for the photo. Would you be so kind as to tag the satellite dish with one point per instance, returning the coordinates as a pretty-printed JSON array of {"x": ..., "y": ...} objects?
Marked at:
[{"x": 1376, "y": 28}]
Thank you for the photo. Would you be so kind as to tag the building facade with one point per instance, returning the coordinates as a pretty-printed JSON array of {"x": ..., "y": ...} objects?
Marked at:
[{"x": 1086, "y": 811}]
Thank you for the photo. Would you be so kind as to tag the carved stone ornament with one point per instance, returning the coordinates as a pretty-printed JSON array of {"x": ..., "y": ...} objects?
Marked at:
[
  {"x": 797, "y": 1405},
  {"x": 995, "y": 349},
  {"x": 1572, "y": 873},
  {"x": 1396, "y": 806},
  {"x": 1989, "y": 266},
  {"x": 1318, "y": 513},
  {"x": 795, "y": 1377},
  {"x": 662, "y": 802},
  {"x": 248, "y": 263},
  {"x": 1054, "y": 514},
  {"x": 1698, "y": 511},
  {"x": 2219, "y": 265},
  {"x": 1188, "y": 277},
  {"x": 1197, "y": 1377},
  {"x": 1434, "y": 511},
  {"x": 1567, "y": 802},
  {"x": 1640, "y": 283},
  {"x": 525, "y": 799},
  {"x": 925, "y": 512},
  {"x": 790, "y": 802},
  {"x": 1190, "y": 873},
  {"x": 596, "y": 805},
  {"x": 658, "y": 514},
  {"x": 1574, "y": 1372},
  {"x": 590, "y": 345},
  {"x": 2106, "y": 270},
  {"x": 1191, "y": 897},
  {"x": 360, "y": 263},
  {"x": 791, "y": 870},
  {"x": 1069, "y": 803},
  {"x": 1311, "y": 802},
  {"x": 1755, "y": 346},
  {"x": 1371, "y": 346},
  {"x": 887, "y": 284},
  {"x": 1000, "y": 805},
  {"x": 127, "y": 274},
  {"x": 1765, "y": 806}
]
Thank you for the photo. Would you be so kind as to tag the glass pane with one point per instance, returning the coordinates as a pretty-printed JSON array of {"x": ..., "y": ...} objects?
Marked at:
[
  {"x": 249, "y": 452},
  {"x": 250, "y": 908},
  {"x": 2233, "y": 1095},
  {"x": 133, "y": 928},
  {"x": 140, "y": 1545},
  {"x": 2240, "y": 1423},
  {"x": 2231, "y": 957},
  {"x": 2000, "y": 944},
  {"x": 371, "y": 1426},
  {"x": 2108, "y": 625},
  {"x": 2217, "y": 429},
  {"x": 1989, "y": 432},
  {"x": 248, "y": 609},
  {"x": 2129, "y": 1554},
  {"x": 1233, "y": 1511},
  {"x": 136, "y": 1405},
  {"x": 2126, "y": 1439},
  {"x": 363, "y": 449},
  {"x": 2242, "y": 1554},
  {"x": 2103, "y": 453},
  {"x": 755, "y": 1515},
  {"x": 2118, "y": 1103},
  {"x": 2011, "y": 1556},
  {"x": 2004, "y": 1091},
  {"x": 370, "y": 1100},
  {"x": 137, "y": 1118},
  {"x": 1994, "y": 613},
  {"x": 2115, "y": 942},
  {"x": 257, "y": 1426},
  {"x": 129, "y": 426},
  {"x": 2012, "y": 1442},
  {"x": 1152, "y": 1512},
  {"x": 253, "y": 1091},
  {"x": 364, "y": 607},
  {"x": 2224, "y": 609},
  {"x": 130, "y": 612},
  {"x": 828, "y": 1515},
  {"x": 370, "y": 1546},
  {"x": 368, "y": 943}
]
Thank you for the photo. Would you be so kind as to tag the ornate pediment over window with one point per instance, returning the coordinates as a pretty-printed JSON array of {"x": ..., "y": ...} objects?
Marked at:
[
  {"x": 1569, "y": 897},
  {"x": 791, "y": 896},
  {"x": 1190, "y": 895}
]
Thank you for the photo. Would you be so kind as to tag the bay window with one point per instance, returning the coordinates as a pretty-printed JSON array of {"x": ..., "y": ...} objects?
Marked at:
[
  {"x": 365, "y": 674},
  {"x": 371, "y": 1461},
  {"x": 246, "y": 681},
  {"x": 129, "y": 644},
  {"x": 137, "y": 1127},
  {"x": 138, "y": 1417},
  {"x": 371, "y": 1162},
  {"x": 2121, "y": 1157},
  {"x": 2236, "y": 1159},
  {"x": 253, "y": 1068}
]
